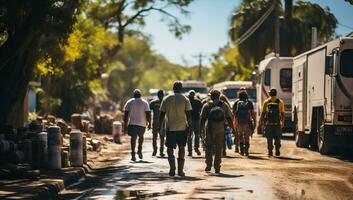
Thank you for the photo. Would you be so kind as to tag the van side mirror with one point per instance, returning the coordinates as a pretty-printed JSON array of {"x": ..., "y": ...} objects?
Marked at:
[{"x": 329, "y": 65}]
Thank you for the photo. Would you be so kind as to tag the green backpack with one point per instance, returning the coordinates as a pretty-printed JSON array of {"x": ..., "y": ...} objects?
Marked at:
[
  {"x": 273, "y": 115},
  {"x": 243, "y": 112}
]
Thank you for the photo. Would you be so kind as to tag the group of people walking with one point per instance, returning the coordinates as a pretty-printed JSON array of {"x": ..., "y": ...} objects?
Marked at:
[{"x": 178, "y": 120}]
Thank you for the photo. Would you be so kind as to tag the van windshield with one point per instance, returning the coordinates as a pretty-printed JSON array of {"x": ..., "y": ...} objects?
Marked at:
[
  {"x": 232, "y": 93},
  {"x": 267, "y": 77},
  {"x": 286, "y": 79},
  {"x": 200, "y": 90},
  {"x": 347, "y": 63}
]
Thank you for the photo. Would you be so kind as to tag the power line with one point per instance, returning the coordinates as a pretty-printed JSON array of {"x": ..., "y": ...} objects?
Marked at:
[
  {"x": 346, "y": 26},
  {"x": 200, "y": 56},
  {"x": 255, "y": 26}
]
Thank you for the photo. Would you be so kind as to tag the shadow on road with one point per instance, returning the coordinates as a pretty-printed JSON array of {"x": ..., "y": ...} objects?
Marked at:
[
  {"x": 256, "y": 157},
  {"x": 288, "y": 158},
  {"x": 223, "y": 175},
  {"x": 141, "y": 194}
]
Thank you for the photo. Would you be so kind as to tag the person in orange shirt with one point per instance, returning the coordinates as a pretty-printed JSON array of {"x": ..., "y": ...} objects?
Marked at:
[{"x": 272, "y": 117}]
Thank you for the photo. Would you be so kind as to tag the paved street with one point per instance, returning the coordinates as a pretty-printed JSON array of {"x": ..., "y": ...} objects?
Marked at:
[{"x": 297, "y": 174}]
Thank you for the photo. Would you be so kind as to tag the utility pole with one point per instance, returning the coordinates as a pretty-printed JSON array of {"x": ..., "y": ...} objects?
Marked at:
[
  {"x": 200, "y": 57},
  {"x": 277, "y": 34}
]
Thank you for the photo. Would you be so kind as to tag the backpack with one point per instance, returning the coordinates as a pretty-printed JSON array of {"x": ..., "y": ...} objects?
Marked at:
[
  {"x": 273, "y": 115},
  {"x": 216, "y": 113},
  {"x": 243, "y": 112}
]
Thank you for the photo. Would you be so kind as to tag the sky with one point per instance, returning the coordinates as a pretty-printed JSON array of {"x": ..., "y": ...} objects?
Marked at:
[{"x": 209, "y": 20}]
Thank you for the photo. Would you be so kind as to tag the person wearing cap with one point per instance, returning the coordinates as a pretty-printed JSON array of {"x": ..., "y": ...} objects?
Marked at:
[
  {"x": 155, "y": 106},
  {"x": 195, "y": 117},
  {"x": 245, "y": 120},
  {"x": 272, "y": 117},
  {"x": 137, "y": 116},
  {"x": 215, "y": 113},
  {"x": 177, "y": 109}
]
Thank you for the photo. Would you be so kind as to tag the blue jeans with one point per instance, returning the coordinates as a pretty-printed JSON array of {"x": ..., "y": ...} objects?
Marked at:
[
  {"x": 196, "y": 131},
  {"x": 273, "y": 133}
]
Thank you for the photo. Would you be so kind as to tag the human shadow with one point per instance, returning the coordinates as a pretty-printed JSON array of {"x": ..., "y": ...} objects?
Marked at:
[
  {"x": 224, "y": 175},
  {"x": 256, "y": 157},
  {"x": 198, "y": 157},
  {"x": 288, "y": 158}
]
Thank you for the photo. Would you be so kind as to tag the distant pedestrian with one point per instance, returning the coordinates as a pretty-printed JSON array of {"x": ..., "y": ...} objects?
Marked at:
[
  {"x": 177, "y": 108},
  {"x": 155, "y": 107},
  {"x": 137, "y": 116},
  {"x": 245, "y": 120},
  {"x": 215, "y": 113},
  {"x": 272, "y": 117},
  {"x": 195, "y": 116}
]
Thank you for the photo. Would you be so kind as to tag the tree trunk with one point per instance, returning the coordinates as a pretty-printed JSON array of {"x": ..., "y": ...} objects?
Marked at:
[
  {"x": 17, "y": 60},
  {"x": 287, "y": 30}
]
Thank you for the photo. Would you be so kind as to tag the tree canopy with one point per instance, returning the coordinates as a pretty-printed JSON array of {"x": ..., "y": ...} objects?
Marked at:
[
  {"x": 295, "y": 27},
  {"x": 24, "y": 27}
]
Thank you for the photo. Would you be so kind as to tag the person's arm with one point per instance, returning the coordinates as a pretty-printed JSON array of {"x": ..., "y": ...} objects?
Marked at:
[
  {"x": 148, "y": 117},
  {"x": 126, "y": 121},
  {"x": 281, "y": 109},
  {"x": 189, "y": 121},
  {"x": 162, "y": 113},
  {"x": 263, "y": 113},
  {"x": 161, "y": 120},
  {"x": 229, "y": 117}
]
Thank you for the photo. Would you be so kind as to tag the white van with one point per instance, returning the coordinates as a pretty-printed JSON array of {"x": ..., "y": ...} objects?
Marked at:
[
  {"x": 323, "y": 96},
  {"x": 275, "y": 72},
  {"x": 200, "y": 87},
  {"x": 230, "y": 90}
]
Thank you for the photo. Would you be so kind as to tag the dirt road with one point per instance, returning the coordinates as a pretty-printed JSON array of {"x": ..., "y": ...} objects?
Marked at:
[{"x": 297, "y": 174}]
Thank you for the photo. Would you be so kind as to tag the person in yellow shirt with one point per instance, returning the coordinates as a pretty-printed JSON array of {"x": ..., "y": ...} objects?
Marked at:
[{"x": 272, "y": 117}]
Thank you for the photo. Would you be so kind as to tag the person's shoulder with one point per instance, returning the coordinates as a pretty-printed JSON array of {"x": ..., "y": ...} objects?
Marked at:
[
  {"x": 280, "y": 101},
  {"x": 267, "y": 100},
  {"x": 169, "y": 96},
  {"x": 144, "y": 100},
  {"x": 130, "y": 100},
  {"x": 154, "y": 101}
]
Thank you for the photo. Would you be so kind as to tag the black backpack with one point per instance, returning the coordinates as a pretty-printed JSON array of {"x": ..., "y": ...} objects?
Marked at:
[
  {"x": 216, "y": 113},
  {"x": 273, "y": 115},
  {"x": 243, "y": 111}
]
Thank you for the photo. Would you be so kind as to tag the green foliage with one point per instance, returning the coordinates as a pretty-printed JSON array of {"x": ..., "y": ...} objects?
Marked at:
[
  {"x": 122, "y": 15},
  {"x": 349, "y": 1},
  {"x": 227, "y": 65},
  {"x": 80, "y": 61},
  {"x": 295, "y": 31},
  {"x": 26, "y": 29}
]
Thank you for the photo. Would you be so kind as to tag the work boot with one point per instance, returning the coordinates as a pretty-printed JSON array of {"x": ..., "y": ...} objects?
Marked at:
[
  {"x": 270, "y": 153},
  {"x": 198, "y": 152},
  {"x": 208, "y": 168},
  {"x": 190, "y": 154},
  {"x": 217, "y": 171},
  {"x": 224, "y": 152},
  {"x": 171, "y": 166},
  {"x": 161, "y": 152},
  {"x": 139, "y": 153},
  {"x": 278, "y": 153},
  {"x": 236, "y": 149},
  {"x": 154, "y": 152},
  {"x": 246, "y": 150},
  {"x": 133, "y": 157},
  {"x": 242, "y": 149},
  {"x": 181, "y": 167}
]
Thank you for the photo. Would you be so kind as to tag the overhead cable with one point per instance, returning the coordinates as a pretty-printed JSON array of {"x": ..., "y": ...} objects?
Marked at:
[{"x": 255, "y": 26}]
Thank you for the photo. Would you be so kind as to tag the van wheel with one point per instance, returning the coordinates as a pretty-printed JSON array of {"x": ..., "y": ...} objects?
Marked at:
[
  {"x": 323, "y": 141},
  {"x": 301, "y": 139}
]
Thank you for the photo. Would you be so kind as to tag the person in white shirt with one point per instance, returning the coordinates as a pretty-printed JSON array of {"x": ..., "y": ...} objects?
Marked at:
[{"x": 137, "y": 116}]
